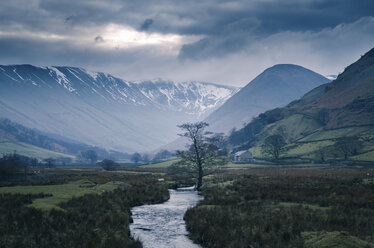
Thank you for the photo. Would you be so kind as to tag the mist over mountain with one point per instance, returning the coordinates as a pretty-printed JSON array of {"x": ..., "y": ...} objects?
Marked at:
[
  {"x": 102, "y": 110},
  {"x": 275, "y": 87}
]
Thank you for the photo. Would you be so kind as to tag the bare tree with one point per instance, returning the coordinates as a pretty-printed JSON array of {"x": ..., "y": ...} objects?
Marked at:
[
  {"x": 161, "y": 155},
  {"x": 108, "y": 164},
  {"x": 201, "y": 154},
  {"x": 136, "y": 157},
  {"x": 273, "y": 145},
  {"x": 145, "y": 158},
  {"x": 89, "y": 155},
  {"x": 49, "y": 162},
  {"x": 348, "y": 146},
  {"x": 321, "y": 154},
  {"x": 12, "y": 164}
]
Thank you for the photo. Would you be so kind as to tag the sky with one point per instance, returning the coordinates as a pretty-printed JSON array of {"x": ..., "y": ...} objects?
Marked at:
[{"x": 225, "y": 42}]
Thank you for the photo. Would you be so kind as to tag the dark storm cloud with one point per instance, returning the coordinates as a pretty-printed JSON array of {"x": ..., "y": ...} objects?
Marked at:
[
  {"x": 207, "y": 17},
  {"x": 146, "y": 24},
  {"x": 233, "y": 34},
  {"x": 60, "y": 53}
]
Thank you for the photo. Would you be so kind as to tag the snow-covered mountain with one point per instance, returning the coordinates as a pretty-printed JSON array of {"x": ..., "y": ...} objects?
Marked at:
[
  {"x": 102, "y": 110},
  {"x": 194, "y": 98}
]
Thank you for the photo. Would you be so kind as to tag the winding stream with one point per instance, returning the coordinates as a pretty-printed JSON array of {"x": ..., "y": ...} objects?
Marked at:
[{"x": 162, "y": 225}]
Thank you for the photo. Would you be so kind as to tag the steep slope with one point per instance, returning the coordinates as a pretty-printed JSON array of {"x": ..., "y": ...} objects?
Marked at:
[
  {"x": 14, "y": 132},
  {"x": 25, "y": 141},
  {"x": 31, "y": 151},
  {"x": 348, "y": 100},
  {"x": 194, "y": 98},
  {"x": 341, "y": 108},
  {"x": 275, "y": 87},
  {"x": 97, "y": 108}
]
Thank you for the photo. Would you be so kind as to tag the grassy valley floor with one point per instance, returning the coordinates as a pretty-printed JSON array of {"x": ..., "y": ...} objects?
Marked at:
[
  {"x": 286, "y": 207},
  {"x": 91, "y": 211}
]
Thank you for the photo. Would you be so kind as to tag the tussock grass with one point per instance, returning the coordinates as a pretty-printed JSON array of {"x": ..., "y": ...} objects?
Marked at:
[
  {"x": 60, "y": 193},
  {"x": 333, "y": 239}
]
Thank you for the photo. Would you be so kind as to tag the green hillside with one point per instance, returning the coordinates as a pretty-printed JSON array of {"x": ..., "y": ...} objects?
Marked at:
[
  {"x": 28, "y": 150},
  {"x": 333, "y": 239},
  {"x": 324, "y": 123}
]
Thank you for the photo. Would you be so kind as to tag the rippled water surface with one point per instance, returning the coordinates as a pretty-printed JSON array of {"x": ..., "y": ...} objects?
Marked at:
[{"x": 162, "y": 225}]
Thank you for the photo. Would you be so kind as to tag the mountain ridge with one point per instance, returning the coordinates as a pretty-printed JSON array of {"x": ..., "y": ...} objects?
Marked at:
[{"x": 99, "y": 109}]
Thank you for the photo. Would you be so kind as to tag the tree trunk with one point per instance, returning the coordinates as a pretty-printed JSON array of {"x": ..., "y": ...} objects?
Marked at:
[
  {"x": 199, "y": 166},
  {"x": 200, "y": 178}
]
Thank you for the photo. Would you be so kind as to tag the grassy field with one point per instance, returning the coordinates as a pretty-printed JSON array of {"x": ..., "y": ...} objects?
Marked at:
[
  {"x": 29, "y": 150},
  {"x": 60, "y": 193},
  {"x": 333, "y": 239},
  {"x": 338, "y": 133},
  {"x": 245, "y": 166},
  {"x": 303, "y": 149},
  {"x": 311, "y": 206},
  {"x": 285, "y": 207},
  {"x": 163, "y": 164},
  {"x": 292, "y": 127},
  {"x": 310, "y": 147},
  {"x": 88, "y": 214},
  {"x": 368, "y": 156}
]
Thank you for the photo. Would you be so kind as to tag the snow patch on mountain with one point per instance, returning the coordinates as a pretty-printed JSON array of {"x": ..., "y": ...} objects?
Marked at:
[
  {"x": 15, "y": 71},
  {"x": 192, "y": 97},
  {"x": 331, "y": 77},
  {"x": 61, "y": 79},
  {"x": 92, "y": 74}
]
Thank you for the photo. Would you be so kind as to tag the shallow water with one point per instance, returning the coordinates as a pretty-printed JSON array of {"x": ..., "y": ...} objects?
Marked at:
[{"x": 162, "y": 225}]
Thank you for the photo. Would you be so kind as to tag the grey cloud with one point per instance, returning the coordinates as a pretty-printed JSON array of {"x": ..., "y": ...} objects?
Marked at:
[
  {"x": 327, "y": 52},
  {"x": 231, "y": 38},
  {"x": 234, "y": 34},
  {"x": 146, "y": 24},
  {"x": 207, "y": 17},
  {"x": 71, "y": 20},
  {"x": 99, "y": 39},
  {"x": 66, "y": 54}
]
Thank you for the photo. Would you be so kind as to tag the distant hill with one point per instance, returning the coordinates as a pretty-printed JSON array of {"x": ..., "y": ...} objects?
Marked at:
[
  {"x": 341, "y": 108},
  {"x": 24, "y": 141},
  {"x": 24, "y": 149},
  {"x": 101, "y": 110},
  {"x": 275, "y": 87},
  {"x": 13, "y": 132}
]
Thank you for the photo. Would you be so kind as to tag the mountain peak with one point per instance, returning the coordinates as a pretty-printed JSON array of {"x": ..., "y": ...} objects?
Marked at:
[
  {"x": 285, "y": 66},
  {"x": 288, "y": 70},
  {"x": 275, "y": 87}
]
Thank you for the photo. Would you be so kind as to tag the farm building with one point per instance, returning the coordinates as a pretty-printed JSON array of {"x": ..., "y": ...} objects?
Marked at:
[{"x": 242, "y": 156}]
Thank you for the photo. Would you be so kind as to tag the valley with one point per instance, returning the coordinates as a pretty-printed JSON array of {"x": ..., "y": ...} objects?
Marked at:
[{"x": 93, "y": 160}]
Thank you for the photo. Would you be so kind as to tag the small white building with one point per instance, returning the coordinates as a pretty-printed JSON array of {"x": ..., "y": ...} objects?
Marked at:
[{"x": 243, "y": 156}]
